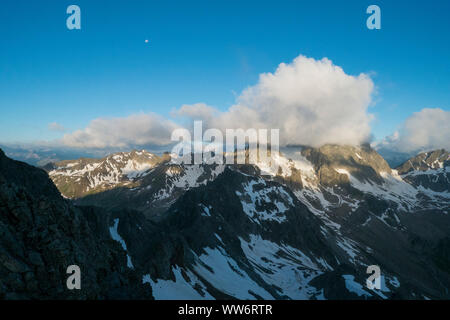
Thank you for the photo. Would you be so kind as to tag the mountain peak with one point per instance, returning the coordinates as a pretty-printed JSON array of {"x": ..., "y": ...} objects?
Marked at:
[
  {"x": 425, "y": 161},
  {"x": 363, "y": 162},
  {"x": 76, "y": 178},
  {"x": 429, "y": 170}
]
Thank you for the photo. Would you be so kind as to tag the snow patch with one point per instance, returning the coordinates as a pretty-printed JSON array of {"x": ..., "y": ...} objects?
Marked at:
[
  {"x": 354, "y": 286},
  {"x": 116, "y": 236},
  {"x": 221, "y": 271},
  {"x": 180, "y": 289}
]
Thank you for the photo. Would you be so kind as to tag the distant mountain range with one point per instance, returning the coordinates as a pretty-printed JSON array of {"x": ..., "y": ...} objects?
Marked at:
[
  {"x": 307, "y": 231},
  {"x": 41, "y": 155}
]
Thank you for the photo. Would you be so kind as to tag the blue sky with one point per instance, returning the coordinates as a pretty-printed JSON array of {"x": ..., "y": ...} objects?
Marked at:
[{"x": 206, "y": 51}]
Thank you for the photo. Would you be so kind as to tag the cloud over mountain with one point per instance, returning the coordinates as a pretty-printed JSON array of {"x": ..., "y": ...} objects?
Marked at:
[
  {"x": 134, "y": 130},
  {"x": 312, "y": 102},
  {"x": 425, "y": 130}
]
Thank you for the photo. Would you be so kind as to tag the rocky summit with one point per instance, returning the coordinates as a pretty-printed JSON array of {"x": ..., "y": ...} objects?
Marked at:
[
  {"x": 141, "y": 226},
  {"x": 42, "y": 234}
]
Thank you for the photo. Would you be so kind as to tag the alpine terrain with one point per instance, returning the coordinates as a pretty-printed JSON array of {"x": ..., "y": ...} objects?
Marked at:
[{"x": 141, "y": 225}]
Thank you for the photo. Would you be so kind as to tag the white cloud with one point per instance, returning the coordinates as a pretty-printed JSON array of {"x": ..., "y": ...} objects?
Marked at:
[
  {"x": 426, "y": 130},
  {"x": 54, "y": 126},
  {"x": 312, "y": 102},
  {"x": 134, "y": 130},
  {"x": 200, "y": 111}
]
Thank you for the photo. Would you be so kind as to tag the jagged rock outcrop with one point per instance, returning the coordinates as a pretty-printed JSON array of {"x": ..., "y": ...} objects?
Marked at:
[
  {"x": 41, "y": 234},
  {"x": 428, "y": 170},
  {"x": 362, "y": 162}
]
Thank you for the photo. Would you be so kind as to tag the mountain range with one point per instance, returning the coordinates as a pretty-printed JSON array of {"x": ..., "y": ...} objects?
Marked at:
[{"x": 146, "y": 226}]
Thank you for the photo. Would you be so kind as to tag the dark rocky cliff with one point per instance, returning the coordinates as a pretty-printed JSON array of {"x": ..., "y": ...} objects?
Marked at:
[{"x": 41, "y": 234}]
